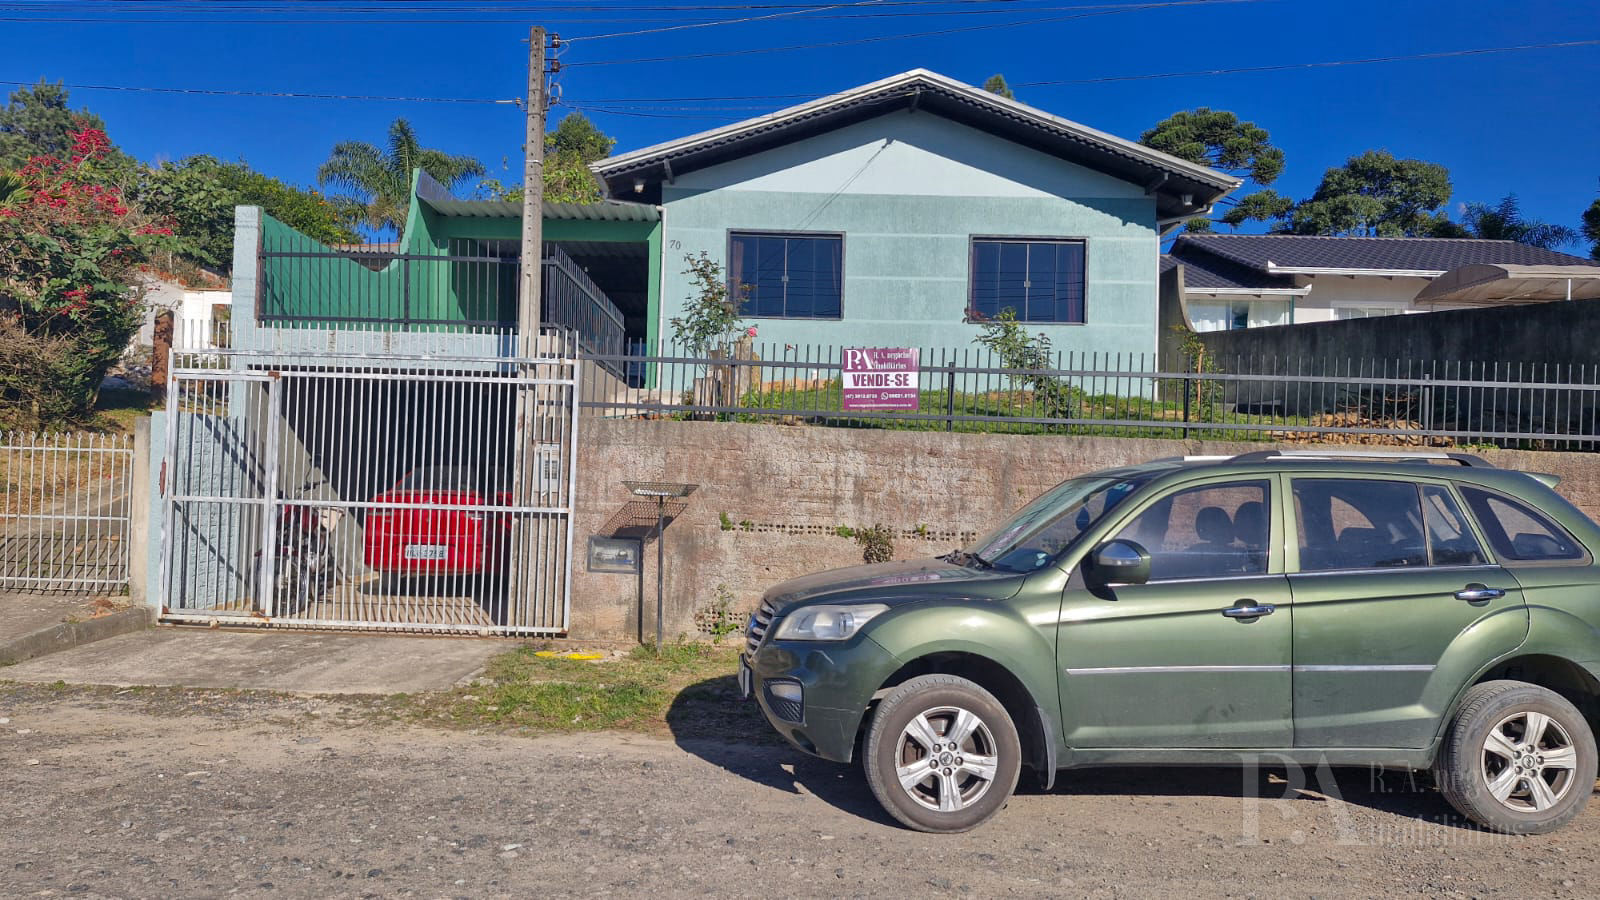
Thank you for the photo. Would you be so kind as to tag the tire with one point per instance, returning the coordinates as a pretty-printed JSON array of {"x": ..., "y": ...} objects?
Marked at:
[
  {"x": 1492, "y": 773},
  {"x": 975, "y": 777}
]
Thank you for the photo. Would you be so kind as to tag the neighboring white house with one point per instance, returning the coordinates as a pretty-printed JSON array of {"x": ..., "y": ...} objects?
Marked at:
[
  {"x": 1229, "y": 281},
  {"x": 195, "y": 313}
]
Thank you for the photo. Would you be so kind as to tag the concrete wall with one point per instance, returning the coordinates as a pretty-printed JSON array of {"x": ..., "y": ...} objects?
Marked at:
[
  {"x": 1537, "y": 333},
  {"x": 909, "y": 191},
  {"x": 796, "y": 485}
]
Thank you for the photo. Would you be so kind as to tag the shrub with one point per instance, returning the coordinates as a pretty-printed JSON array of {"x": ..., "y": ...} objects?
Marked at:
[
  {"x": 70, "y": 250},
  {"x": 877, "y": 543}
]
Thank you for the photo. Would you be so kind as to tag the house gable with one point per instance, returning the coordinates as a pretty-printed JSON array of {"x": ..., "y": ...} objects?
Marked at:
[{"x": 908, "y": 153}]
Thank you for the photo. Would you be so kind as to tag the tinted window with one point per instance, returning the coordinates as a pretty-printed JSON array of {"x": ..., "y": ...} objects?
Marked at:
[
  {"x": 1040, "y": 281},
  {"x": 787, "y": 276},
  {"x": 1518, "y": 532},
  {"x": 1358, "y": 524},
  {"x": 1450, "y": 540},
  {"x": 1214, "y": 531}
]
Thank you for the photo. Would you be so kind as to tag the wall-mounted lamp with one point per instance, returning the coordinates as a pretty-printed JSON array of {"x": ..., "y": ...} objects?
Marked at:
[{"x": 638, "y": 185}]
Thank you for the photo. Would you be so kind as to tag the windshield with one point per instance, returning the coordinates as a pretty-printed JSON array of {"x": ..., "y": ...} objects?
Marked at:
[{"x": 1039, "y": 531}]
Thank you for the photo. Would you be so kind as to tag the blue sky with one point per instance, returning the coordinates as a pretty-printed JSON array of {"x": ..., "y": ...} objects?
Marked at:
[{"x": 1525, "y": 122}]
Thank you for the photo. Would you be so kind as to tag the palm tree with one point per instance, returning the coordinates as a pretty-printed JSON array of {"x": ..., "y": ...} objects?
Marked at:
[
  {"x": 1504, "y": 222},
  {"x": 10, "y": 187},
  {"x": 378, "y": 181}
]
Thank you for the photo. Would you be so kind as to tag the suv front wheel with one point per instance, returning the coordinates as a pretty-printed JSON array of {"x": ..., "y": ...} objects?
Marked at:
[
  {"x": 1517, "y": 758},
  {"x": 942, "y": 754}
]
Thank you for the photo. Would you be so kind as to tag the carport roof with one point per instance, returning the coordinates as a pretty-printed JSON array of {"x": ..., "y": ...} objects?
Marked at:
[
  {"x": 1504, "y": 285},
  {"x": 604, "y": 211}
]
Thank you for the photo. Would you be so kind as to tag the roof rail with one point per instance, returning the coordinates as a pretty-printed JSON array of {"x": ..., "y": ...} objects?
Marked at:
[{"x": 1465, "y": 459}]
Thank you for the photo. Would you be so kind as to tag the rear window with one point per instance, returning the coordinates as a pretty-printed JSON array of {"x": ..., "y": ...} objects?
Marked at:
[
  {"x": 450, "y": 478},
  {"x": 1358, "y": 524},
  {"x": 1518, "y": 532}
]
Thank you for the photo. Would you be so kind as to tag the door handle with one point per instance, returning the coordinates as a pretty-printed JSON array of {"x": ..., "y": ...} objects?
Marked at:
[
  {"x": 1249, "y": 609},
  {"x": 1477, "y": 593}
]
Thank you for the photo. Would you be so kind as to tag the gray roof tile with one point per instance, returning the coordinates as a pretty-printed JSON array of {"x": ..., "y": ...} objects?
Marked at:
[
  {"x": 1400, "y": 253},
  {"x": 1203, "y": 270}
]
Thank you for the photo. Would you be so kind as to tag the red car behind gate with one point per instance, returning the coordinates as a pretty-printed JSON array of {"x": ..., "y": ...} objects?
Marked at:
[{"x": 443, "y": 534}]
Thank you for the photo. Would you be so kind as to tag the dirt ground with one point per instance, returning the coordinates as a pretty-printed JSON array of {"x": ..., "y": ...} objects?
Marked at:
[{"x": 173, "y": 793}]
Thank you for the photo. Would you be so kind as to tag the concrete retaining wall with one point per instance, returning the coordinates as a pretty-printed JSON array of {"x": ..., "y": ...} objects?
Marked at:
[{"x": 785, "y": 490}]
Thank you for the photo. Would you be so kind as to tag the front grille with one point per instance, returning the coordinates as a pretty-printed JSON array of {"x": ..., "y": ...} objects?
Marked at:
[{"x": 758, "y": 625}]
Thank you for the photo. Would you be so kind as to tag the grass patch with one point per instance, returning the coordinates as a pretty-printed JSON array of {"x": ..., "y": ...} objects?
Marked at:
[
  {"x": 823, "y": 404},
  {"x": 688, "y": 690}
]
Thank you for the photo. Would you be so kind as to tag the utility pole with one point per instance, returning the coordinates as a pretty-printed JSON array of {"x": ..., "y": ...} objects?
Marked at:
[
  {"x": 530, "y": 296},
  {"x": 529, "y": 539}
]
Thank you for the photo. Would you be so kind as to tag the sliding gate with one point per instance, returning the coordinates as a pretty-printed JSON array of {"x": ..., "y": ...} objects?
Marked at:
[{"x": 356, "y": 492}]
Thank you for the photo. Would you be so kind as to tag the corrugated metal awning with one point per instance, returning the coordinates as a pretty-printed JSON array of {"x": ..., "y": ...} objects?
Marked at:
[
  {"x": 1505, "y": 285},
  {"x": 606, "y": 211}
]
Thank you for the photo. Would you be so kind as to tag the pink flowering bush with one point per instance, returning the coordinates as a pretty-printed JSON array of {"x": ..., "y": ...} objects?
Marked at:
[{"x": 70, "y": 251}]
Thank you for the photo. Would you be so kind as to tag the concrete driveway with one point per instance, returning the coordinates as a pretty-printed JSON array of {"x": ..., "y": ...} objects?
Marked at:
[{"x": 274, "y": 661}]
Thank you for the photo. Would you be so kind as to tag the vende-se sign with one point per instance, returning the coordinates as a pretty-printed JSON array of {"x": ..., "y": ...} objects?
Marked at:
[{"x": 880, "y": 378}]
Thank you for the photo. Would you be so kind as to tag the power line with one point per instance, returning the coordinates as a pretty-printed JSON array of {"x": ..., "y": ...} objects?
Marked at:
[
  {"x": 739, "y": 21},
  {"x": 596, "y": 102},
  {"x": 628, "y": 105},
  {"x": 216, "y": 92},
  {"x": 1442, "y": 54},
  {"x": 715, "y": 54}
]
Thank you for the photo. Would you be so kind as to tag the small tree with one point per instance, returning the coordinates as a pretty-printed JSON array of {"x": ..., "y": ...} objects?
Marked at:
[
  {"x": 1199, "y": 359},
  {"x": 710, "y": 325},
  {"x": 711, "y": 316},
  {"x": 1018, "y": 349},
  {"x": 70, "y": 248}
]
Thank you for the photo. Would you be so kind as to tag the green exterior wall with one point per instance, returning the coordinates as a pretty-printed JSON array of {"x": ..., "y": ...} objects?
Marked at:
[
  {"x": 321, "y": 291},
  {"x": 909, "y": 191}
]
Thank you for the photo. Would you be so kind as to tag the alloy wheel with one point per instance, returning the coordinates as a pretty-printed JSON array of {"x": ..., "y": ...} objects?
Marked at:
[
  {"x": 1528, "y": 762},
  {"x": 946, "y": 758}
]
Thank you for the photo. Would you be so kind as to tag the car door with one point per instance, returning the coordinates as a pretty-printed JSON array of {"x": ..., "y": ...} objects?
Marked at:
[
  {"x": 1396, "y": 604},
  {"x": 1199, "y": 656}
]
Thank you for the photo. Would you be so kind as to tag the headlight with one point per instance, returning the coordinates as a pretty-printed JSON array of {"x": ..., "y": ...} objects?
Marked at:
[{"x": 827, "y": 623}]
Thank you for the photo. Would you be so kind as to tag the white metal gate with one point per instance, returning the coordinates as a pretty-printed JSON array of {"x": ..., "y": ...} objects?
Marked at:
[
  {"x": 409, "y": 494},
  {"x": 64, "y": 508}
]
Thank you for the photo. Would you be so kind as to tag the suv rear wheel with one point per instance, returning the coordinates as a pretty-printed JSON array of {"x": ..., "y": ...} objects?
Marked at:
[
  {"x": 942, "y": 754},
  {"x": 1518, "y": 758}
]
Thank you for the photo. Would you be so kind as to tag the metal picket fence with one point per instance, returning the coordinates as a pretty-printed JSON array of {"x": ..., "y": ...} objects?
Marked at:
[
  {"x": 1395, "y": 402},
  {"x": 64, "y": 511}
]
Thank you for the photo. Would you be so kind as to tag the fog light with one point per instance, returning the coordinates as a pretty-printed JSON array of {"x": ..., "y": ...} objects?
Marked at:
[
  {"x": 785, "y": 698},
  {"x": 788, "y": 690}
]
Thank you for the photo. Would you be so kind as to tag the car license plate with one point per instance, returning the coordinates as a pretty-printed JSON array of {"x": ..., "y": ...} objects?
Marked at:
[
  {"x": 747, "y": 687},
  {"x": 428, "y": 551}
]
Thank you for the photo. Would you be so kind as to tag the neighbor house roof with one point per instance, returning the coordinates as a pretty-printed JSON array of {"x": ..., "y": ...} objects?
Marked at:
[
  {"x": 1204, "y": 273},
  {"x": 1289, "y": 254},
  {"x": 1170, "y": 179}
]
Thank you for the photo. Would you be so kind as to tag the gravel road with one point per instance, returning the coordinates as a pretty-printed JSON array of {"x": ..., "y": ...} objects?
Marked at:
[{"x": 175, "y": 794}]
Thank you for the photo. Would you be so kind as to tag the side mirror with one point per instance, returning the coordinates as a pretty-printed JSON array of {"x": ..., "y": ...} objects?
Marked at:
[{"x": 1119, "y": 562}]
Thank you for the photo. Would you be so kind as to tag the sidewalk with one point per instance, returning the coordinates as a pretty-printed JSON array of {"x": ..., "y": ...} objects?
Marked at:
[
  {"x": 301, "y": 662},
  {"x": 32, "y": 625}
]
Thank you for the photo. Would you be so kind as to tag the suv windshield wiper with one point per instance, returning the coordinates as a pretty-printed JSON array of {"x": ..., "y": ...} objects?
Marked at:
[{"x": 962, "y": 558}]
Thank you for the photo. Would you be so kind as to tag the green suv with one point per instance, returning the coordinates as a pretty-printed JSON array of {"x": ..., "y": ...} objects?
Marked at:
[{"x": 1416, "y": 611}]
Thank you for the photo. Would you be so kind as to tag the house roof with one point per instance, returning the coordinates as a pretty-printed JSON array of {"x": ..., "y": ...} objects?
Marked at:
[
  {"x": 1167, "y": 177},
  {"x": 1313, "y": 255},
  {"x": 1204, "y": 273}
]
